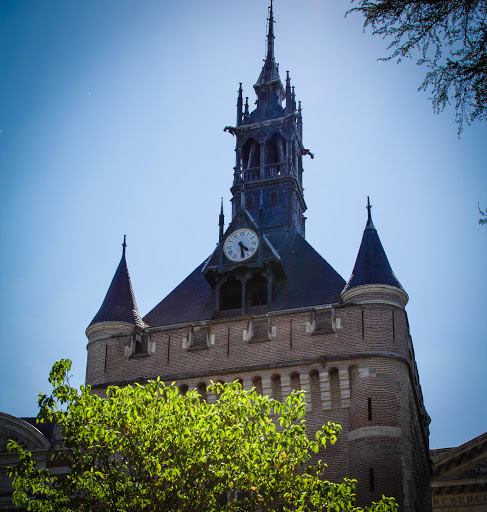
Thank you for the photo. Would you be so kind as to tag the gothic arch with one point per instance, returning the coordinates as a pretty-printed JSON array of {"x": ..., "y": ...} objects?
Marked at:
[
  {"x": 275, "y": 149},
  {"x": 250, "y": 154}
]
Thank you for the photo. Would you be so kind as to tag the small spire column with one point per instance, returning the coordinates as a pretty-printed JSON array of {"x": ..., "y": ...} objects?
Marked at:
[
  {"x": 288, "y": 94},
  {"x": 221, "y": 224},
  {"x": 239, "y": 105}
]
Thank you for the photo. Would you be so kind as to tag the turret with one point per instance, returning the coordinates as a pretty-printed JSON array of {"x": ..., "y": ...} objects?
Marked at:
[
  {"x": 117, "y": 324},
  {"x": 372, "y": 276}
]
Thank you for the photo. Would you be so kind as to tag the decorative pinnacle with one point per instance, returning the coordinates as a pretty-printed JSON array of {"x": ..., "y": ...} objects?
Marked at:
[
  {"x": 369, "y": 214},
  {"x": 270, "y": 35},
  {"x": 221, "y": 221},
  {"x": 124, "y": 245}
]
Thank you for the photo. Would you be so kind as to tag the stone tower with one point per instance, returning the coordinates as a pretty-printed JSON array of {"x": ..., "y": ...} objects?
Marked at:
[{"x": 267, "y": 309}]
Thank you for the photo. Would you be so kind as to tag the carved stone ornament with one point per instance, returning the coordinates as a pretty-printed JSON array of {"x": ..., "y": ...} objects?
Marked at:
[{"x": 7, "y": 435}]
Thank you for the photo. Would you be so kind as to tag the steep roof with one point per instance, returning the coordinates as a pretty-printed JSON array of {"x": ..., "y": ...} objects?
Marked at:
[
  {"x": 372, "y": 265},
  {"x": 119, "y": 304},
  {"x": 310, "y": 280}
]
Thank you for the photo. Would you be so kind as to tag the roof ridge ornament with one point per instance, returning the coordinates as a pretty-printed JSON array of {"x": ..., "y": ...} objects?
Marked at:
[
  {"x": 124, "y": 245},
  {"x": 370, "y": 224}
]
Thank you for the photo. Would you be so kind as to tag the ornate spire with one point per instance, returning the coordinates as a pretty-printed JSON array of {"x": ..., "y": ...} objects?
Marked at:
[
  {"x": 270, "y": 35},
  {"x": 269, "y": 76}
]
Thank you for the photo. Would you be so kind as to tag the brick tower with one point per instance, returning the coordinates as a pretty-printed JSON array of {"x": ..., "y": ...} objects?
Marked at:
[{"x": 267, "y": 309}]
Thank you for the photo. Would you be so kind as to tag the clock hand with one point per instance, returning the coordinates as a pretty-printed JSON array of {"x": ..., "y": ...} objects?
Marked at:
[{"x": 242, "y": 249}]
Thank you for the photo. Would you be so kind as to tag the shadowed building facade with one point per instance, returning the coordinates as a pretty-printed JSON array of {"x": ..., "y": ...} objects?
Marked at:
[{"x": 267, "y": 309}]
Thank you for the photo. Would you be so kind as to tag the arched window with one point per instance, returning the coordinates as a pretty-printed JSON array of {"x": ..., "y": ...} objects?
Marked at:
[
  {"x": 314, "y": 378},
  {"x": 183, "y": 389},
  {"x": 336, "y": 401},
  {"x": 250, "y": 154},
  {"x": 277, "y": 388},
  {"x": 256, "y": 291},
  {"x": 295, "y": 381},
  {"x": 275, "y": 149},
  {"x": 231, "y": 294},
  {"x": 202, "y": 391},
  {"x": 257, "y": 384}
]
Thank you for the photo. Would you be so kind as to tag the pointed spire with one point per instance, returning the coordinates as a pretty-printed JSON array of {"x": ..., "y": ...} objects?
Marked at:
[
  {"x": 372, "y": 266},
  {"x": 288, "y": 94},
  {"x": 269, "y": 88},
  {"x": 370, "y": 224},
  {"x": 270, "y": 35},
  {"x": 119, "y": 304},
  {"x": 239, "y": 105},
  {"x": 221, "y": 221},
  {"x": 124, "y": 245},
  {"x": 246, "y": 111}
]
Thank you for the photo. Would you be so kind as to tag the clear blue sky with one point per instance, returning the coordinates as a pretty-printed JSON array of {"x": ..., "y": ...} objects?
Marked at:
[{"x": 111, "y": 119}]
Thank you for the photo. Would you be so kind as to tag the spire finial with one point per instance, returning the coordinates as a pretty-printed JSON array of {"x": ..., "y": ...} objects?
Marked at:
[
  {"x": 221, "y": 221},
  {"x": 369, "y": 214},
  {"x": 270, "y": 35},
  {"x": 124, "y": 245}
]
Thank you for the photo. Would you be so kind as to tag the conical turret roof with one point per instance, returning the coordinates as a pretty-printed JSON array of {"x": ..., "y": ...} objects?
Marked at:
[
  {"x": 119, "y": 304},
  {"x": 372, "y": 266}
]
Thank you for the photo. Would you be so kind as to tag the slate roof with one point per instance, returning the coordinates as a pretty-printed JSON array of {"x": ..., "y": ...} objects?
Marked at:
[
  {"x": 310, "y": 280},
  {"x": 47, "y": 429},
  {"x": 119, "y": 304},
  {"x": 372, "y": 265}
]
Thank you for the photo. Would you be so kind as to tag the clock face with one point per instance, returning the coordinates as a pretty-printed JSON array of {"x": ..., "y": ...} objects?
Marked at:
[{"x": 241, "y": 245}]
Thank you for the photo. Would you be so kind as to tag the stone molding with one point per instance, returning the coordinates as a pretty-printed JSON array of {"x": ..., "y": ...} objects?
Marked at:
[
  {"x": 120, "y": 328},
  {"x": 375, "y": 288},
  {"x": 374, "y": 431}
]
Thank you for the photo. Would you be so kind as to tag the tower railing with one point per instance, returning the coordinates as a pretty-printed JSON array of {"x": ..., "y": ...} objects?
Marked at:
[{"x": 270, "y": 171}]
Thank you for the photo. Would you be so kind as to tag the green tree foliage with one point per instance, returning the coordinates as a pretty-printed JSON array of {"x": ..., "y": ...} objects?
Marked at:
[
  {"x": 148, "y": 448},
  {"x": 450, "y": 37}
]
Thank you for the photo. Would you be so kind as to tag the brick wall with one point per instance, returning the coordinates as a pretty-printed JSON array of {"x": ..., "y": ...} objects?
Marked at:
[{"x": 361, "y": 375}]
